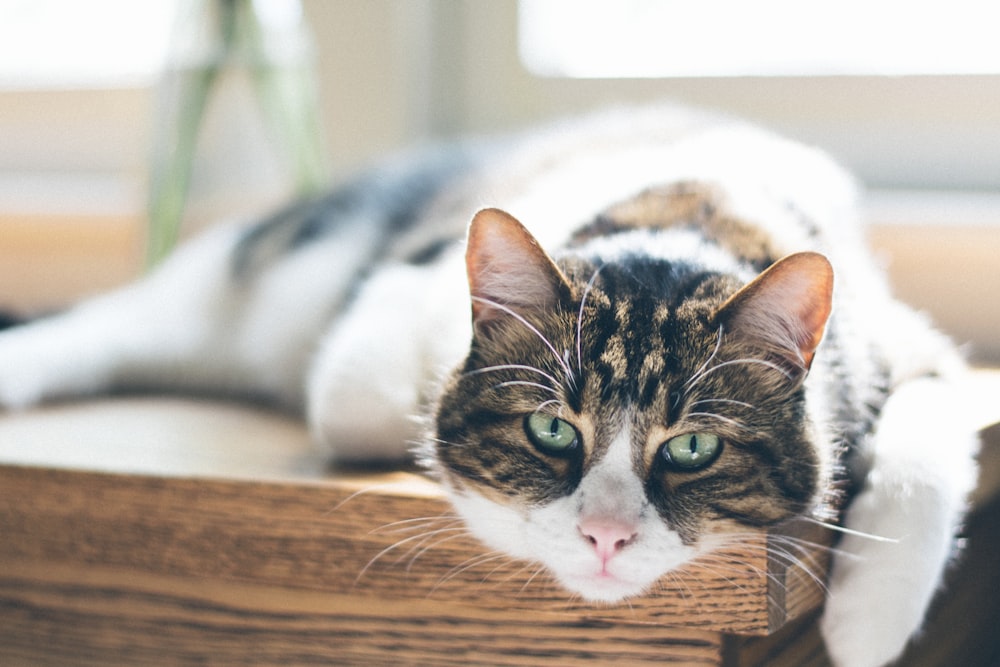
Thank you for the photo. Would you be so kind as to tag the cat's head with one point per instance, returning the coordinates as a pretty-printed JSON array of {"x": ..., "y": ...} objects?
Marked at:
[{"x": 616, "y": 418}]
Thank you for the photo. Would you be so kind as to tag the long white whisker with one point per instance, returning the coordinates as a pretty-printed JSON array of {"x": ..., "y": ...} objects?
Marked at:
[
  {"x": 734, "y": 362},
  {"x": 534, "y": 575},
  {"x": 469, "y": 564},
  {"x": 849, "y": 531},
  {"x": 416, "y": 523},
  {"x": 806, "y": 565},
  {"x": 719, "y": 566},
  {"x": 712, "y": 415},
  {"x": 777, "y": 547},
  {"x": 421, "y": 539},
  {"x": 701, "y": 369},
  {"x": 519, "y": 367},
  {"x": 579, "y": 318},
  {"x": 526, "y": 383},
  {"x": 727, "y": 401},
  {"x": 562, "y": 362}
]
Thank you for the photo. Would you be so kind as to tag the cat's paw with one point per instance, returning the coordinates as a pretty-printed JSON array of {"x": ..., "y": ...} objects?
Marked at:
[
  {"x": 22, "y": 376},
  {"x": 878, "y": 595},
  {"x": 49, "y": 359}
]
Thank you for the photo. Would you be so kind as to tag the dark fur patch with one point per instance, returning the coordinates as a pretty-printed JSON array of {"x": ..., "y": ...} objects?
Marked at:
[{"x": 390, "y": 199}]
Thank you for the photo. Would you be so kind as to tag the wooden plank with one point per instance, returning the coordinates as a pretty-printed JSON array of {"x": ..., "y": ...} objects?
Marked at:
[
  {"x": 390, "y": 538},
  {"x": 100, "y": 616}
]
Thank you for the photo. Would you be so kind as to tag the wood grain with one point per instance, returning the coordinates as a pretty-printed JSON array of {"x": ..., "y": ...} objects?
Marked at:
[
  {"x": 382, "y": 537},
  {"x": 108, "y": 616}
]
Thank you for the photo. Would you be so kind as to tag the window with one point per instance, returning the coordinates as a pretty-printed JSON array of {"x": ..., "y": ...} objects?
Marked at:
[
  {"x": 46, "y": 44},
  {"x": 709, "y": 38}
]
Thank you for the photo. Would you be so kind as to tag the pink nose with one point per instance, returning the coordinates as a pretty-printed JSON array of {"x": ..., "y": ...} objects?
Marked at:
[{"x": 607, "y": 537}]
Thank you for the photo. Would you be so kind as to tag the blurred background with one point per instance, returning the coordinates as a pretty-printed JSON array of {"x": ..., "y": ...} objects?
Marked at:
[{"x": 115, "y": 114}]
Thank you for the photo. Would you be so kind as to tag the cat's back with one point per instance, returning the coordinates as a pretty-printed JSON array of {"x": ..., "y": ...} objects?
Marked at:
[{"x": 561, "y": 176}]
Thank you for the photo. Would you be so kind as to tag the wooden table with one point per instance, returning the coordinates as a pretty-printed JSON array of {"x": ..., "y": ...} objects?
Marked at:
[{"x": 166, "y": 531}]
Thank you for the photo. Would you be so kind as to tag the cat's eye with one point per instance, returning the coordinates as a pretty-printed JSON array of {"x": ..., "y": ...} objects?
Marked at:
[
  {"x": 551, "y": 435},
  {"x": 692, "y": 451}
]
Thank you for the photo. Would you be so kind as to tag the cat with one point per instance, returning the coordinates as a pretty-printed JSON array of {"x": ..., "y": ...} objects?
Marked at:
[{"x": 691, "y": 343}]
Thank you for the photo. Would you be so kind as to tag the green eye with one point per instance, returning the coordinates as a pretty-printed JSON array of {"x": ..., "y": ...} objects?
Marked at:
[
  {"x": 692, "y": 451},
  {"x": 551, "y": 435}
]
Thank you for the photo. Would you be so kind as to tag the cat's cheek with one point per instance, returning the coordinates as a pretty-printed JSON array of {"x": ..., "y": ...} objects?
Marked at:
[{"x": 496, "y": 525}]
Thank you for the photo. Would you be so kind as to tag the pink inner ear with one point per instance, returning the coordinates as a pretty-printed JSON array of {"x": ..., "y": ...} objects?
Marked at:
[
  {"x": 508, "y": 269},
  {"x": 787, "y": 306}
]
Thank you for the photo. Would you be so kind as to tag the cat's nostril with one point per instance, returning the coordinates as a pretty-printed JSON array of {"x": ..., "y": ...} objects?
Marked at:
[{"x": 607, "y": 537}]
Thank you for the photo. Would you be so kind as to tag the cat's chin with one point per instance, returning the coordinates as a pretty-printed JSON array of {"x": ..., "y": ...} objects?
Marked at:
[{"x": 602, "y": 588}]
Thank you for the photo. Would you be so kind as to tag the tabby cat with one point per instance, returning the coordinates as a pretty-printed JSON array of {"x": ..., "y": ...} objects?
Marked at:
[{"x": 691, "y": 344}]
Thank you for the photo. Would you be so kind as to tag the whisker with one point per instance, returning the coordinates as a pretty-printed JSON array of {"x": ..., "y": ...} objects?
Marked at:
[
  {"x": 360, "y": 492},
  {"x": 562, "y": 362},
  {"x": 469, "y": 564},
  {"x": 507, "y": 563},
  {"x": 727, "y": 401},
  {"x": 701, "y": 369},
  {"x": 806, "y": 565},
  {"x": 849, "y": 531},
  {"x": 520, "y": 367},
  {"x": 778, "y": 546},
  {"x": 525, "y": 383},
  {"x": 733, "y": 362},
  {"x": 421, "y": 539},
  {"x": 808, "y": 546},
  {"x": 579, "y": 318},
  {"x": 415, "y": 523},
  {"x": 679, "y": 580},
  {"x": 717, "y": 566},
  {"x": 712, "y": 415},
  {"x": 424, "y": 547},
  {"x": 539, "y": 569}
]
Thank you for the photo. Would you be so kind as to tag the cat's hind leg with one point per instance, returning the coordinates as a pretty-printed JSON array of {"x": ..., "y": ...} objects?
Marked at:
[
  {"x": 105, "y": 341},
  {"x": 904, "y": 523},
  {"x": 193, "y": 325}
]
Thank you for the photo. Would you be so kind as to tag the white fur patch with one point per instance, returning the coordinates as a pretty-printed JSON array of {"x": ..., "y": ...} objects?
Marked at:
[{"x": 551, "y": 534}]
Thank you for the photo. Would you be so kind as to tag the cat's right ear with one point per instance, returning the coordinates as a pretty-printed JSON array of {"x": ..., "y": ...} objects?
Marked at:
[
  {"x": 509, "y": 272},
  {"x": 785, "y": 308}
]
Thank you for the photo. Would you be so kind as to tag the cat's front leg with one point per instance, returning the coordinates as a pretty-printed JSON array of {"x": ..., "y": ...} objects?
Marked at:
[
  {"x": 378, "y": 365},
  {"x": 903, "y": 524}
]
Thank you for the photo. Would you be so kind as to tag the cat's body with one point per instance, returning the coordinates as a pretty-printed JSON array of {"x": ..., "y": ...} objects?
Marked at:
[{"x": 626, "y": 405}]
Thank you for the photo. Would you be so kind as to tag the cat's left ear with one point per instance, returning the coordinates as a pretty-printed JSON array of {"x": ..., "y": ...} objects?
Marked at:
[
  {"x": 508, "y": 270},
  {"x": 785, "y": 308}
]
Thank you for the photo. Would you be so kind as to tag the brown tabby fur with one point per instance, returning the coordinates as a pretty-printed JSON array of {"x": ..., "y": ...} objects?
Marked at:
[{"x": 645, "y": 342}]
